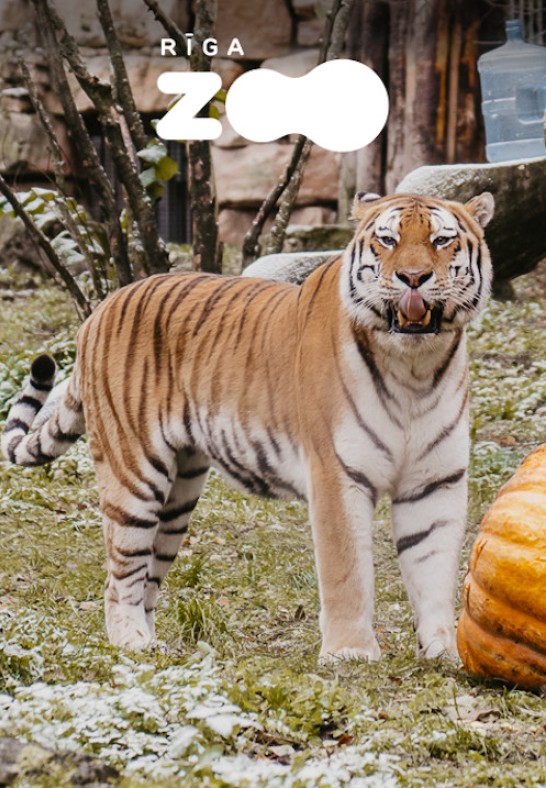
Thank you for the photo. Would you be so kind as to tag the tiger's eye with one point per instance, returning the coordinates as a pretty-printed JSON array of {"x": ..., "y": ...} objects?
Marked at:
[{"x": 387, "y": 240}]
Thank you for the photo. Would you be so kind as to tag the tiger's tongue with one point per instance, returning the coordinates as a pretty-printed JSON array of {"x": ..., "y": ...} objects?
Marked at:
[{"x": 412, "y": 306}]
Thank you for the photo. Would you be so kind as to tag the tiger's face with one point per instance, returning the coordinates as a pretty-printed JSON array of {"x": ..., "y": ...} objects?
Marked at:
[{"x": 417, "y": 266}]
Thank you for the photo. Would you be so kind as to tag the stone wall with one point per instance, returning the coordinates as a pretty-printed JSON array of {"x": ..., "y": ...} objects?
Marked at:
[{"x": 271, "y": 37}]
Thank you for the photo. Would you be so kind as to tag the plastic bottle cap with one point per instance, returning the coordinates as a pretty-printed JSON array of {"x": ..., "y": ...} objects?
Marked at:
[{"x": 513, "y": 30}]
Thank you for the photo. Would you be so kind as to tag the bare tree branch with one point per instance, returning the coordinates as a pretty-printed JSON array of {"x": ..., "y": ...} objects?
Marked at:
[
  {"x": 250, "y": 243},
  {"x": 155, "y": 257},
  {"x": 207, "y": 250},
  {"x": 84, "y": 148},
  {"x": 98, "y": 274},
  {"x": 331, "y": 46},
  {"x": 168, "y": 24},
  {"x": 278, "y": 229},
  {"x": 335, "y": 28},
  {"x": 122, "y": 88},
  {"x": 45, "y": 245}
]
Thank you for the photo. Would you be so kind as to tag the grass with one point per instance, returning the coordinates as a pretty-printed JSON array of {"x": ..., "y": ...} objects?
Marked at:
[{"x": 235, "y": 695}]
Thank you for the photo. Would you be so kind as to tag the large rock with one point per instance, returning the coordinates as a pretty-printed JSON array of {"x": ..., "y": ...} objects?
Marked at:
[
  {"x": 310, "y": 238},
  {"x": 229, "y": 70},
  {"x": 16, "y": 247},
  {"x": 294, "y": 268},
  {"x": 234, "y": 223},
  {"x": 263, "y": 27},
  {"x": 15, "y": 100},
  {"x": 516, "y": 235},
  {"x": 25, "y": 146},
  {"x": 31, "y": 764},
  {"x": 295, "y": 65},
  {"x": 229, "y": 138},
  {"x": 244, "y": 176},
  {"x": 310, "y": 32},
  {"x": 143, "y": 71},
  {"x": 304, "y": 9},
  {"x": 135, "y": 25},
  {"x": 14, "y": 14}
]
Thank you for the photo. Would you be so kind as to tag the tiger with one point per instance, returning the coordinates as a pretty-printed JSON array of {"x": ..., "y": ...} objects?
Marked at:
[{"x": 348, "y": 387}]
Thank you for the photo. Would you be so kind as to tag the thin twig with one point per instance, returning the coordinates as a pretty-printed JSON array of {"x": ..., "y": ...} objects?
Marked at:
[
  {"x": 331, "y": 45},
  {"x": 122, "y": 88},
  {"x": 44, "y": 243},
  {"x": 169, "y": 25},
  {"x": 100, "y": 93},
  {"x": 98, "y": 274},
  {"x": 84, "y": 148},
  {"x": 207, "y": 250}
]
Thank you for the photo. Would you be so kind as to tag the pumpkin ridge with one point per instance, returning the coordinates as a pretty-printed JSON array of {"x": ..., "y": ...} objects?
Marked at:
[
  {"x": 491, "y": 656},
  {"x": 507, "y": 572},
  {"x": 498, "y": 617}
]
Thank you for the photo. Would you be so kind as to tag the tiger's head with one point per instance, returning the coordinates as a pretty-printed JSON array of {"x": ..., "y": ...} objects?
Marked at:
[{"x": 417, "y": 266}]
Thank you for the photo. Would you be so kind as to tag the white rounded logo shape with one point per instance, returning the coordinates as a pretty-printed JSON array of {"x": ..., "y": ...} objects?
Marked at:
[{"x": 341, "y": 105}]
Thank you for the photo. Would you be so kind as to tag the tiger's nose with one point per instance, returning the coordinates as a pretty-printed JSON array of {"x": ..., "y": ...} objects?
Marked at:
[{"x": 413, "y": 279}]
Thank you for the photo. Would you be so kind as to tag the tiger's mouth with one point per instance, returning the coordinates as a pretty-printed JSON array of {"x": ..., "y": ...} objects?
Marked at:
[
  {"x": 413, "y": 315},
  {"x": 428, "y": 323}
]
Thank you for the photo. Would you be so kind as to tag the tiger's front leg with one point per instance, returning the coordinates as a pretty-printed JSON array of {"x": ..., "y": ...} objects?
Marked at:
[
  {"x": 428, "y": 530},
  {"x": 341, "y": 512}
]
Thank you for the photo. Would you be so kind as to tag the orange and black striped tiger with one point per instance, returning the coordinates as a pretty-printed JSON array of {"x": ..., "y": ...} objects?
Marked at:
[{"x": 350, "y": 386}]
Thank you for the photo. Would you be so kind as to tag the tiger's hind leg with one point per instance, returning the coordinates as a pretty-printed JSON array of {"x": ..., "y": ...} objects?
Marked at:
[
  {"x": 130, "y": 506},
  {"x": 191, "y": 476}
]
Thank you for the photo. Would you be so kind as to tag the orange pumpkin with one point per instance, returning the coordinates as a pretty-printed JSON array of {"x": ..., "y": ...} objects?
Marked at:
[{"x": 502, "y": 628}]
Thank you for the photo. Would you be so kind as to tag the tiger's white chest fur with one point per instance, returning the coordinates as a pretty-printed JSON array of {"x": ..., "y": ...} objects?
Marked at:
[{"x": 411, "y": 415}]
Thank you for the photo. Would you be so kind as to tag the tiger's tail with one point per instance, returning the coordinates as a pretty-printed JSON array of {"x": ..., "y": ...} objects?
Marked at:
[{"x": 44, "y": 421}]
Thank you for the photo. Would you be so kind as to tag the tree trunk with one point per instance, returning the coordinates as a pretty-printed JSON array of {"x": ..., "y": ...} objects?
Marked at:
[
  {"x": 364, "y": 169},
  {"x": 207, "y": 250},
  {"x": 413, "y": 88}
]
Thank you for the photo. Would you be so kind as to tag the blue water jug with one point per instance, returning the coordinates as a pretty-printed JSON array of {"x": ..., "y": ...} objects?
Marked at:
[{"x": 513, "y": 80}]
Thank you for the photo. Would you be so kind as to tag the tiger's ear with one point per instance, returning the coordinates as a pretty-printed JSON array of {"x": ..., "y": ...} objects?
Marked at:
[
  {"x": 362, "y": 199},
  {"x": 481, "y": 208}
]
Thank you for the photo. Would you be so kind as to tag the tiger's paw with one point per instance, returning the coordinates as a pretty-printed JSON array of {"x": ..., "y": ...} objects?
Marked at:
[
  {"x": 366, "y": 653},
  {"x": 135, "y": 641},
  {"x": 442, "y": 645},
  {"x": 127, "y": 628}
]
